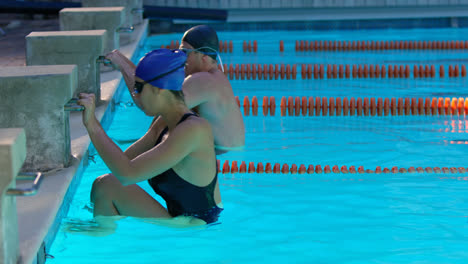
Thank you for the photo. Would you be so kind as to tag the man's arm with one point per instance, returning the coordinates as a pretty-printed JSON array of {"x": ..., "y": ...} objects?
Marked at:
[
  {"x": 198, "y": 88},
  {"x": 127, "y": 68}
]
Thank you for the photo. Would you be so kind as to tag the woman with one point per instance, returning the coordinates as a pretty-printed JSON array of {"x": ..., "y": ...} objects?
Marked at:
[{"x": 178, "y": 161}]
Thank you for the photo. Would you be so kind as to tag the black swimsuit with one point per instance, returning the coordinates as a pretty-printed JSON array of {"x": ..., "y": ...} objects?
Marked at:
[{"x": 182, "y": 197}]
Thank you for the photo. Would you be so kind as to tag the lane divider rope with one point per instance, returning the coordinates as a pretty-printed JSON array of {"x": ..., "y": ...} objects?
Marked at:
[
  {"x": 224, "y": 46},
  {"x": 334, "y": 71},
  {"x": 361, "y": 45},
  {"x": 311, "y": 169},
  {"x": 346, "y": 45},
  {"x": 295, "y": 106},
  {"x": 249, "y": 46}
]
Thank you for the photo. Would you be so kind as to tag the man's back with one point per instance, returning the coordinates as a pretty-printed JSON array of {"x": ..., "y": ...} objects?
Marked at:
[{"x": 218, "y": 106}]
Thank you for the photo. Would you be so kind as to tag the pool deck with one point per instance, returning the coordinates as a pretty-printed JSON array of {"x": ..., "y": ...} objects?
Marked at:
[
  {"x": 13, "y": 43},
  {"x": 39, "y": 216}
]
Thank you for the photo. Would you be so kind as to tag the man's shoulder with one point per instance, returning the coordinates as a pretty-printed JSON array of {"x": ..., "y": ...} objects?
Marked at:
[
  {"x": 205, "y": 79},
  {"x": 202, "y": 76}
]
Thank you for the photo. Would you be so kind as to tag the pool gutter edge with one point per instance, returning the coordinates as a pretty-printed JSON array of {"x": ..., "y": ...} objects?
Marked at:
[
  {"x": 343, "y": 13},
  {"x": 39, "y": 216}
]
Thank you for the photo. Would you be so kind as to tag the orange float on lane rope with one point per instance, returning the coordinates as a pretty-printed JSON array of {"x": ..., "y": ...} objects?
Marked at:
[
  {"x": 277, "y": 168},
  {"x": 302, "y": 169},
  {"x": 360, "y": 169},
  {"x": 260, "y": 168},
  {"x": 254, "y": 101},
  {"x": 339, "y": 106},
  {"x": 293, "y": 168},
  {"x": 226, "y": 168},
  {"x": 345, "y": 106},
  {"x": 344, "y": 169},
  {"x": 311, "y": 106},
  {"x": 251, "y": 168},
  {"x": 283, "y": 103},
  {"x": 318, "y": 169},
  {"x": 332, "y": 106},
  {"x": 290, "y": 103},
  {"x": 352, "y": 106},
  {"x": 335, "y": 169},
  {"x": 265, "y": 101},
  {"x": 234, "y": 168},
  {"x": 272, "y": 105},
  {"x": 378, "y": 170},
  {"x": 246, "y": 101},
  {"x": 304, "y": 106}
]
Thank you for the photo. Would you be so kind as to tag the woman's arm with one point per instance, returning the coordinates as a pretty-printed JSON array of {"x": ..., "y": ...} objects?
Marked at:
[
  {"x": 148, "y": 141},
  {"x": 183, "y": 140}
]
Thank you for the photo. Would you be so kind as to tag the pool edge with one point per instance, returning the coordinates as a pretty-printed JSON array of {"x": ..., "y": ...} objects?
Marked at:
[{"x": 53, "y": 200}]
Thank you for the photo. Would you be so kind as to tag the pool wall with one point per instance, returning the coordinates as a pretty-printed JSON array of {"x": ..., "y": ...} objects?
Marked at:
[
  {"x": 39, "y": 216},
  {"x": 321, "y": 18},
  {"x": 271, "y": 4}
]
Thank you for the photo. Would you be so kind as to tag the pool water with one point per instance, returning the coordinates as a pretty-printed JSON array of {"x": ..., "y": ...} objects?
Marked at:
[{"x": 312, "y": 218}]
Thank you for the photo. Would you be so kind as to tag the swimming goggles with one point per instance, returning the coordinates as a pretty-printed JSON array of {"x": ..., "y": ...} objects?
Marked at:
[
  {"x": 138, "y": 86},
  {"x": 215, "y": 52}
]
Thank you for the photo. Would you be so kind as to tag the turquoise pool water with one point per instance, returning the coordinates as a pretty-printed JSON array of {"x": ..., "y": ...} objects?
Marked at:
[{"x": 316, "y": 218}]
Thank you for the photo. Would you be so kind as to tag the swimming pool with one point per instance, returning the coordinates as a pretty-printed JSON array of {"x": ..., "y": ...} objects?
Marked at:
[{"x": 312, "y": 218}]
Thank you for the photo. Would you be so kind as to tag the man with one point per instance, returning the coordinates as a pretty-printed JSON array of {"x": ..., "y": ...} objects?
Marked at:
[{"x": 206, "y": 89}]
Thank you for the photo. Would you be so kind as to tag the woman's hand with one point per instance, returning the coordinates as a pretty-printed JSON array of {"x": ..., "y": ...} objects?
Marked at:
[{"x": 88, "y": 101}]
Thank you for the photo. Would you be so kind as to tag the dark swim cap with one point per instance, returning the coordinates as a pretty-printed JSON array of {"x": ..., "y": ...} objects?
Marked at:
[
  {"x": 203, "y": 36},
  {"x": 166, "y": 64}
]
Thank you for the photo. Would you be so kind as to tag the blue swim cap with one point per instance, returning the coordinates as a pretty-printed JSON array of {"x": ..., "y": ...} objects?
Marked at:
[{"x": 163, "y": 68}]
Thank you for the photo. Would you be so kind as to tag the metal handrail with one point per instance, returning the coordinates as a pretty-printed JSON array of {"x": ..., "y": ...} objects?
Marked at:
[
  {"x": 73, "y": 106},
  {"x": 104, "y": 60},
  {"x": 125, "y": 29},
  {"x": 138, "y": 10},
  {"x": 37, "y": 177}
]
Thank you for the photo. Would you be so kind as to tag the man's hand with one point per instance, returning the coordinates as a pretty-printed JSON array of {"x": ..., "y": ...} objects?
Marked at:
[{"x": 116, "y": 57}]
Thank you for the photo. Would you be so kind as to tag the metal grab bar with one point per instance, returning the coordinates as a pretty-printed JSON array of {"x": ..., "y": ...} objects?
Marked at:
[
  {"x": 104, "y": 60},
  {"x": 138, "y": 10},
  {"x": 73, "y": 106},
  {"x": 125, "y": 29},
  {"x": 37, "y": 177}
]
